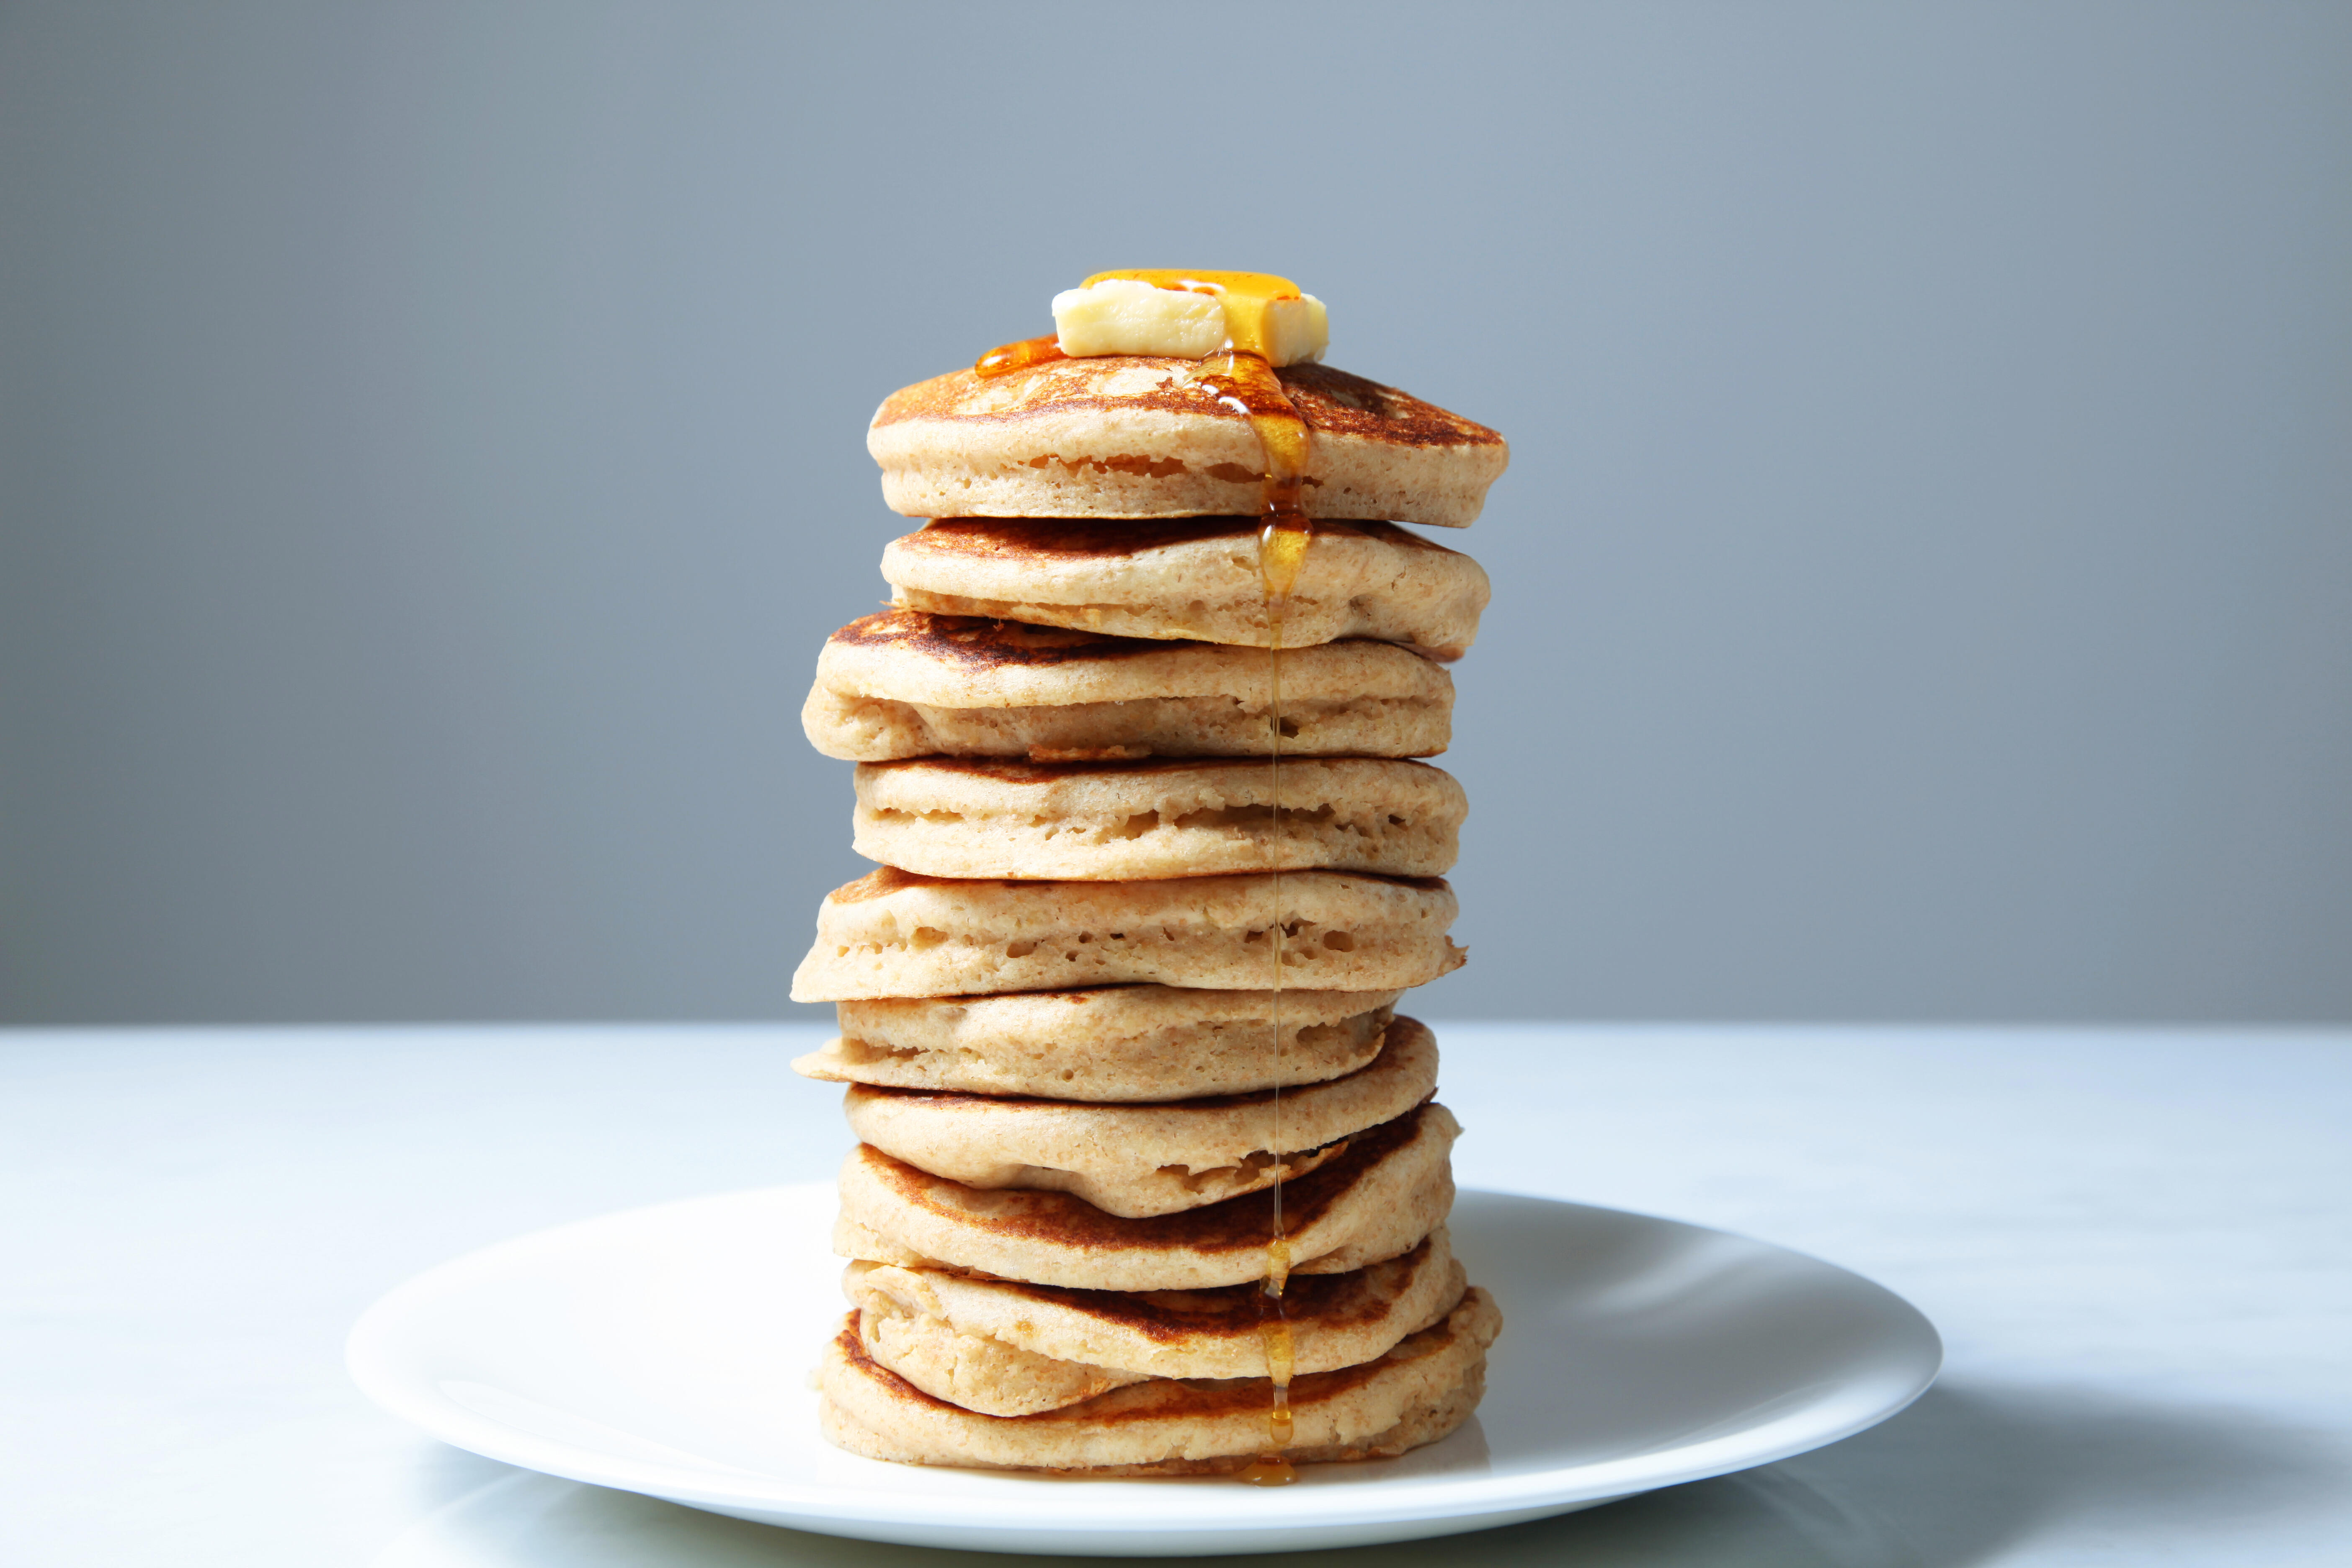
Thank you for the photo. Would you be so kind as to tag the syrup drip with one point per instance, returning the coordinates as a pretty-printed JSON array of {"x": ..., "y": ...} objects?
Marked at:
[
  {"x": 1268, "y": 1470},
  {"x": 1281, "y": 1356},
  {"x": 1006, "y": 358},
  {"x": 1247, "y": 384},
  {"x": 1278, "y": 1264}
]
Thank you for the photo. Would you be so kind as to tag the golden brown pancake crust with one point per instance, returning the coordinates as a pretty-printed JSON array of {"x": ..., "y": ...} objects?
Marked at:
[
  {"x": 1330, "y": 401},
  {"x": 1161, "y": 1398},
  {"x": 1235, "y": 1224},
  {"x": 1017, "y": 771},
  {"x": 979, "y": 643},
  {"x": 951, "y": 1099},
  {"x": 885, "y": 880},
  {"x": 1328, "y": 1301},
  {"x": 1046, "y": 539}
]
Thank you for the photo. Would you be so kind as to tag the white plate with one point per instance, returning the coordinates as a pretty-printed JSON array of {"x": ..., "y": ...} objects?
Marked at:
[{"x": 665, "y": 1351}]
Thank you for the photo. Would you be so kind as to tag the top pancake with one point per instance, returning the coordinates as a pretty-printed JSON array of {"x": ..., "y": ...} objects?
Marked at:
[{"x": 1133, "y": 436}]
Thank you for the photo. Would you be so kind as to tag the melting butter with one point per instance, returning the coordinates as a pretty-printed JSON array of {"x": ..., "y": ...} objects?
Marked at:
[{"x": 1183, "y": 314}]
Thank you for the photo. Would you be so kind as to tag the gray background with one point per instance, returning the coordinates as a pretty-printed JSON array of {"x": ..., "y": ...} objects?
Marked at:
[{"x": 430, "y": 456}]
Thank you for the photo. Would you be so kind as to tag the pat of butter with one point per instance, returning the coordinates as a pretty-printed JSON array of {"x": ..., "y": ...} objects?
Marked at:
[{"x": 1189, "y": 315}]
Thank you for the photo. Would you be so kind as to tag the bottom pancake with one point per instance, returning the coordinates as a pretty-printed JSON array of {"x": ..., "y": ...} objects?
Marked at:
[{"x": 1417, "y": 1393}]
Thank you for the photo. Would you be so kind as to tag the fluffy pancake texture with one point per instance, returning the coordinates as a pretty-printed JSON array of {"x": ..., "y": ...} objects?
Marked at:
[
  {"x": 1193, "y": 578},
  {"x": 894, "y": 933},
  {"x": 1391, "y": 1187},
  {"x": 908, "y": 683},
  {"x": 1129, "y": 435},
  {"x": 943, "y": 1332},
  {"x": 1116, "y": 1043},
  {"x": 1420, "y": 1389},
  {"x": 1132, "y": 821},
  {"x": 994, "y": 1377},
  {"x": 974, "y": 1373},
  {"x": 1135, "y": 1161}
]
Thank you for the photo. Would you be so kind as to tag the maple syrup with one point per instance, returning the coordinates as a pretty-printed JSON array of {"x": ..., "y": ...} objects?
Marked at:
[
  {"x": 1247, "y": 383},
  {"x": 1268, "y": 1470},
  {"x": 1281, "y": 1359},
  {"x": 1278, "y": 1259},
  {"x": 1240, "y": 376},
  {"x": 1006, "y": 358}
]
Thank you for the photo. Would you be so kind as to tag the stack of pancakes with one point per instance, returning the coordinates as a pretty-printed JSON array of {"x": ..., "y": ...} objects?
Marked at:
[{"x": 1117, "y": 1010}]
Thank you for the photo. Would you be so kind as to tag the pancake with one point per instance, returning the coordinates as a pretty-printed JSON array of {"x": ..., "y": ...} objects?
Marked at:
[
  {"x": 892, "y": 934},
  {"x": 1116, "y": 1043},
  {"x": 1391, "y": 1187},
  {"x": 1135, "y": 1161},
  {"x": 1420, "y": 1390},
  {"x": 970, "y": 1372},
  {"x": 1129, "y": 436},
  {"x": 1193, "y": 578},
  {"x": 910, "y": 684},
  {"x": 1135, "y": 821},
  {"x": 1007, "y": 1349}
]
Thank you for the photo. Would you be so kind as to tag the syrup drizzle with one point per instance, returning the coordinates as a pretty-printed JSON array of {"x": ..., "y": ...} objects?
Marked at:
[
  {"x": 1006, "y": 358},
  {"x": 1271, "y": 1469},
  {"x": 1247, "y": 384}
]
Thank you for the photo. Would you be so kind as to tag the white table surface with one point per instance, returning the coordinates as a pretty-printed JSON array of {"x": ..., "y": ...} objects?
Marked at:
[{"x": 2135, "y": 1244}]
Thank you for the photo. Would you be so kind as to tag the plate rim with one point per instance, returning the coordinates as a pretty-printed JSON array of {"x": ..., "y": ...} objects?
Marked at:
[{"x": 371, "y": 1364}]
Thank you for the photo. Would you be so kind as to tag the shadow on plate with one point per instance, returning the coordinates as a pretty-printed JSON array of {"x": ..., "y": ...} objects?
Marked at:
[
  {"x": 1974, "y": 1469},
  {"x": 1968, "y": 1473}
]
